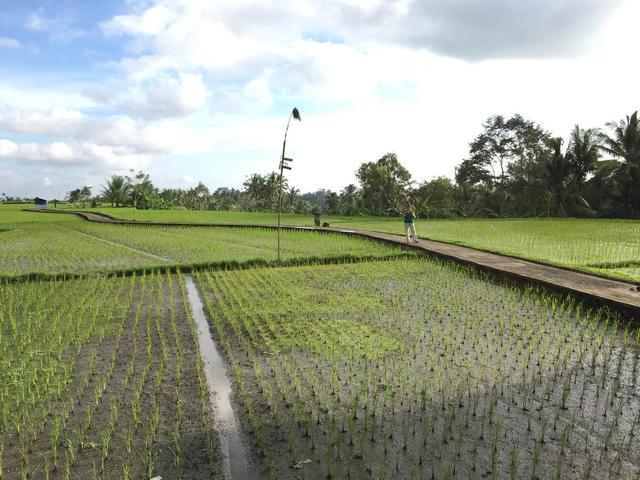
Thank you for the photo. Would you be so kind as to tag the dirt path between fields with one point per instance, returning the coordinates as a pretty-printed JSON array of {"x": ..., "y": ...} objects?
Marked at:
[{"x": 603, "y": 290}]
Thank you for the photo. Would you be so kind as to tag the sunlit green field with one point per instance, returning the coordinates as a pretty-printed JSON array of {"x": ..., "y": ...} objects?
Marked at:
[
  {"x": 209, "y": 216},
  {"x": 602, "y": 246},
  {"x": 402, "y": 367},
  {"x": 14, "y": 213},
  {"x": 65, "y": 244}
]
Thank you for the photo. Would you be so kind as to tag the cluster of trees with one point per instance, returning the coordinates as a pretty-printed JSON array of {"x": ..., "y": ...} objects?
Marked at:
[
  {"x": 80, "y": 195},
  {"x": 514, "y": 168}
]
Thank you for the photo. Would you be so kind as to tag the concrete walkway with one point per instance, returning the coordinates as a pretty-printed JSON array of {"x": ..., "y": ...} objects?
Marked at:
[{"x": 613, "y": 292}]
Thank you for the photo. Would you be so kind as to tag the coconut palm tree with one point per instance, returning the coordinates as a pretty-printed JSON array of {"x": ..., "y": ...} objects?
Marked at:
[
  {"x": 272, "y": 189},
  {"x": 564, "y": 174},
  {"x": 116, "y": 190},
  {"x": 555, "y": 176},
  {"x": 624, "y": 144},
  {"x": 290, "y": 198},
  {"x": 254, "y": 186},
  {"x": 349, "y": 199},
  {"x": 583, "y": 153}
]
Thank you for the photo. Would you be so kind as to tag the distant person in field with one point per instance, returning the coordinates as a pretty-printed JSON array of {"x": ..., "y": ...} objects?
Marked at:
[{"x": 409, "y": 223}]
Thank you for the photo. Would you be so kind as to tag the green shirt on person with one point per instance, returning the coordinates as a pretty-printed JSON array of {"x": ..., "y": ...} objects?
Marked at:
[{"x": 408, "y": 217}]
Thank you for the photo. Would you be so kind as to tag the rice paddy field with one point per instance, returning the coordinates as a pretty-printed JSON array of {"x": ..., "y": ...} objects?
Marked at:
[
  {"x": 601, "y": 246},
  {"x": 101, "y": 378},
  {"x": 351, "y": 359},
  {"x": 417, "y": 369},
  {"x": 46, "y": 244}
]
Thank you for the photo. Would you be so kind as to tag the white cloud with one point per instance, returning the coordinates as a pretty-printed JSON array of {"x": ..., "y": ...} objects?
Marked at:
[
  {"x": 59, "y": 28},
  {"x": 99, "y": 95},
  {"x": 6, "y": 42},
  {"x": 259, "y": 91},
  {"x": 151, "y": 22},
  {"x": 74, "y": 125},
  {"x": 187, "y": 179},
  {"x": 203, "y": 86},
  {"x": 169, "y": 96},
  {"x": 7, "y": 148},
  {"x": 116, "y": 142},
  {"x": 59, "y": 154},
  {"x": 46, "y": 181}
]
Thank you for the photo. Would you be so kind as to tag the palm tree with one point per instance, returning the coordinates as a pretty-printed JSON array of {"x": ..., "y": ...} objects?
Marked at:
[
  {"x": 254, "y": 188},
  {"x": 117, "y": 190},
  {"x": 624, "y": 143},
  {"x": 74, "y": 196},
  {"x": 555, "y": 174},
  {"x": 271, "y": 190},
  {"x": 85, "y": 194},
  {"x": 563, "y": 175},
  {"x": 139, "y": 184},
  {"x": 583, "y": 153},
  {"x": 290, "y": 198},
  {"x": 349, "y": 199}
]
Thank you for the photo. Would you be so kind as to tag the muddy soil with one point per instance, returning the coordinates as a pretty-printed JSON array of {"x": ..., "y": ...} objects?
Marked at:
[
  {"x": 117, "y": 436},
  {"x": 486, "y": 382}
]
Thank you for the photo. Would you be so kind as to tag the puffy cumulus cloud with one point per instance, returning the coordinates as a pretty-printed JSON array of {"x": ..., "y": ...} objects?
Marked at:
[
  {"x": 7, "y": 148},
  {"x": 151, "y": 21},
  {"x": 169, "y": 96},
  {"x": 253, "y": 53},
  {"x": 60, "y": 154},
  {"x": 58, "y": 120},
  {"x": 99, "y": 95},
  {"x": 69, "y": 137},
  {"x": 479, "y": 29},
  {"x": 231, "y": 41},
  {"x": 6, "y": 42},
  {"x": 77, "y": 127},
  {"x": 242, "y": 38}
]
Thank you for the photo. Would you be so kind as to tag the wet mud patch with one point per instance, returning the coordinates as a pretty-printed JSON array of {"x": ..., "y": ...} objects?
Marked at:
[
  {"x": 135, "y": 404},
  {"x": 486, "y": 379}
]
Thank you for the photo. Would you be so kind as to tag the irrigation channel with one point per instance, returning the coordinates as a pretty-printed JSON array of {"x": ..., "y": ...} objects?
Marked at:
[{"x": 232, "y": 444}]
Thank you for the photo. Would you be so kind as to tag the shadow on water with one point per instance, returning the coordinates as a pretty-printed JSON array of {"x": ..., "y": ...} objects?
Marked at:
[{"x": 232, "y": 444}]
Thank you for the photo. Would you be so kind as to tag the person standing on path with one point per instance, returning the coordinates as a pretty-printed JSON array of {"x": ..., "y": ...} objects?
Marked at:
[{"x": 409, "y": 223}]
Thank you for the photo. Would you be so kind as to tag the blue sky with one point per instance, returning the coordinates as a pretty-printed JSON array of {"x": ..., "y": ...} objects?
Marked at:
[{"x": 194, "y": 90}]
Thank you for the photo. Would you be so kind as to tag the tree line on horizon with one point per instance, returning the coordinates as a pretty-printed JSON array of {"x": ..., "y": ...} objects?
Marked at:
[{"x": 515, "y": 168}]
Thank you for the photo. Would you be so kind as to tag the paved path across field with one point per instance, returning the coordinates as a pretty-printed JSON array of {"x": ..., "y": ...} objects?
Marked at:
[{"x": 615, "y": 292}]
